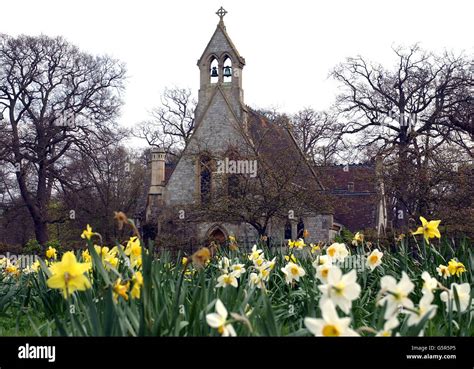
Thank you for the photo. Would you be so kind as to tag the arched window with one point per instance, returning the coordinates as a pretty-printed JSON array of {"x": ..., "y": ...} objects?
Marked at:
[
  {"x": 300, "y": 229},
  {"x": 233, "y": 185},
  {"x": 214, "y": 70},
  {"x": 205, "y": 178},
  {"x": 288, "y": 235},
  {"x": 227, "y": 70}
]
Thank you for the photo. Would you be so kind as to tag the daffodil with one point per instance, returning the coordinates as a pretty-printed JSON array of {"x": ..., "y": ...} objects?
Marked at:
[
  {"x": 137, "y": 280},
  {"x": 443, "y": 271},
  {"x": 12, "y": 269},
  {"x": 358, "y": 239},
  {"x": 218, "y": 320},
  {"x": 291, "y": 257},
  {"x": 120, "y": 289},
  {"x": 322, "y": 272},
  {"x": 68, "y": 275},
  {"x": 87, "y": 233},
  {"x": 388, "y": 327},
  {"x": 232, "y": 239},
  {"x": 456, "y": 268},
  {"x": 238, "y": 270},
  {"x": 428, "y": 229},
  {"x": 224, "y": 264},
  {"x": 201, "y": 257},
  {"x": 255, "y": 254},
  {"x": 425, "y": 308},
  {"x": 464, "y": 295},
  {"x": 337, "y": 251},
  {"x": 429, "y": 283},
  {"x": 341, "y": 289},
  {"x": 396, "y": 293},
  {"x": 51, "y": 253},
  {"x": 331, "y": 325},
  {"x": 86, "y": 256},
  {"x": 293, "y": 272},
  {"x": 256, "y": 280},
  {"x": 134, "y": 251},
  {"x": 374, "y": 259},
  {"x": 315, "y": 248},
  {"x": 299, "y": 244},
  {"x": 35, "y": 266},
  {"x": 227, "y": 280}
]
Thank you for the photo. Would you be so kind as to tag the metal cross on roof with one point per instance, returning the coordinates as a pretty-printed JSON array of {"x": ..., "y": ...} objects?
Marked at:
[{"x": 221, "y": 13}]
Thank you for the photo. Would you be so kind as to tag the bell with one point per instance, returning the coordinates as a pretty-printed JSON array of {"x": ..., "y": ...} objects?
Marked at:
[
  {"x": 214, "y": 72},
  {"x": 227, "y": 72}
]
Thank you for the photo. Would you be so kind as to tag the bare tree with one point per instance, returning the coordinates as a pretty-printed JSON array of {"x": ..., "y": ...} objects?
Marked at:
[
  {"x": 55, "y": 99},
  {"x": 407, "y": 113},
  {"x": 172, "y": 122}
]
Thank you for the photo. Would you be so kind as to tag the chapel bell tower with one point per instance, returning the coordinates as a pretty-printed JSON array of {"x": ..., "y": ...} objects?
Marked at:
[{"x": 220, "y": 67}]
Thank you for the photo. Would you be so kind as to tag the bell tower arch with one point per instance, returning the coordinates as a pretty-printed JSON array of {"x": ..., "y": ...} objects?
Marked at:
[{"x": 220, "y": 66}]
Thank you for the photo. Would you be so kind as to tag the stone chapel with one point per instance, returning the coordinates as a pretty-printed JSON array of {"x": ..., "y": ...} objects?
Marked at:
[{"x": 227, "y": 131}]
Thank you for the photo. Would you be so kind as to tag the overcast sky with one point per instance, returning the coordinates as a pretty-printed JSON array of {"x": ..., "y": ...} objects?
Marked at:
[{"x": 289, "y": 46}]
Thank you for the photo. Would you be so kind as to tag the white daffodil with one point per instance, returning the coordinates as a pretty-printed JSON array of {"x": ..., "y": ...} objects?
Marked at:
[
  {"x": 464, "y": 295},
  {"x": 256, "y": 280},
  {"x": 293, "y": 272},
  {"x": 321, "y": 260},
  {"x": 330, "y": 325},
  {"x": 341, "y": 289},
  {"x": 424, "y": 308},
  {"x": 443, "y": 271},
  {"x": 396, "y": 293},
  {"x": 227, "y": 280},
  {"x": 337, "y": 251},
  {"x": 322, "y": 272},
  {"x": 429, "y": 283},
  {"x": 374, "y": 259},
  {"x": 388, "y": 327},
  {"x": 224, "y": 264},
  {"x": 237, "y": 270},
  {"x": 218, "y": 320},
  {"x": 255, "y": 254}
]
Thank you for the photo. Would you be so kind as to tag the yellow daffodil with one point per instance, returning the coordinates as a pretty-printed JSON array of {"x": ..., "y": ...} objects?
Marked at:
[
  {"x": 299, "y": 244},
  {"x": 35, "y": 266},
  {"x": 291, "y": 257},
  {"x": 68, "y": 275},
  {"x": 87, "y": 233},
  {"x": 51, "y": 253},
  {"x": 456, "y": 268},
  {"x": 358, "y": 239},
  {"x": 12, "y": 269},
  {"x": 137, "y": 280},
  {"x": 201, "y": 257},
  {"x": 120, "y": 289},
  {"x": 86, "y": 257},
  {"x": 232, "y": 238},
  {"x": 315, "y": 248},
  {"x": 184, "y": 261},
  {"x": 428, "y": 229},
  {"x": 305, "y": 233}
]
